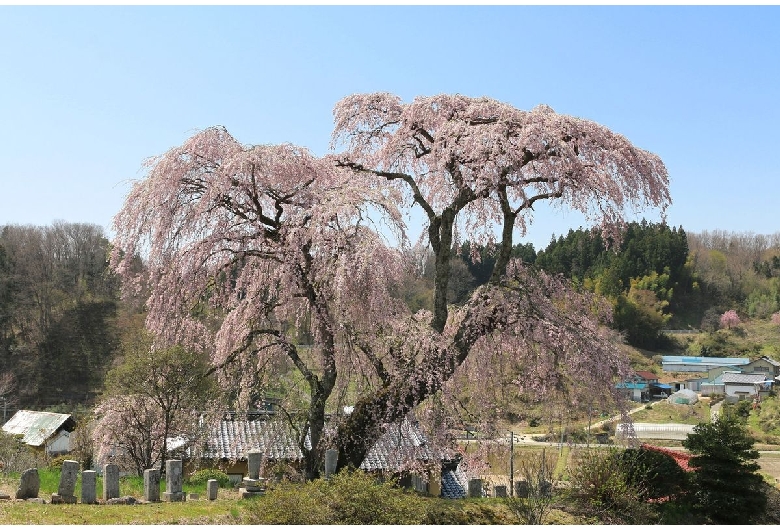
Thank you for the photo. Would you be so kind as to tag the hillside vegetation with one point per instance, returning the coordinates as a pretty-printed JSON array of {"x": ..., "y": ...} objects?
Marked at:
[{"x": 62, "y": 320}]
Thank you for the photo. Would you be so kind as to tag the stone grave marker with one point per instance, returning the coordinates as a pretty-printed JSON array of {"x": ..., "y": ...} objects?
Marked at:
[
  {"x": 252, "y": 484},
  {"x": 521, "y": 489},
  {"x": 211, "y": 489},
  {"x": 475, "y": 487},
  {"x": 110, "y": 481},
  {"x": 65, "y": 491},
  {"x": 29, "y": 484},
  {"x": 173, "y": 481},
  {"x": 88, "y": 487},
  {"x": 331, "y": 459},
  {"x": 152, "y": 485}
]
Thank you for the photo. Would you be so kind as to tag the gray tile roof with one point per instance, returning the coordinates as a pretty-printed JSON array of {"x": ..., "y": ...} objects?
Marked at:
[
  {"x": 234, "y": 436},
  {"x": 397, "y": 445},
  {"x": 729, "y": 377},
  {"x": 37, "y": 427}
]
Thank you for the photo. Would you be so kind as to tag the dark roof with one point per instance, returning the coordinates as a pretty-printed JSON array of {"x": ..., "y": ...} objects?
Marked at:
[
  {"x": 234, "y": 436},
  {"x": 36, "y": 426},
  {"x": 644, "y": 374},
  {"x": 454, "y": 484}
]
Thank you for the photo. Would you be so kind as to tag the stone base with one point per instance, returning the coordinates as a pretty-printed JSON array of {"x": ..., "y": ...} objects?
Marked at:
[
  {"x": 56, "y": 498},
  {"x": 178, "y": 496},
  {"x": 194, "y": 496},
  {"x": 5, "y": 497},
  {"x": 253, "y": 492},
  {"x": 122, "y": 500}
]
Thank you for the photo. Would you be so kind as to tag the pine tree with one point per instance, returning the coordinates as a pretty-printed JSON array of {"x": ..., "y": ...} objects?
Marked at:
[{"x": 727, "y": 487}]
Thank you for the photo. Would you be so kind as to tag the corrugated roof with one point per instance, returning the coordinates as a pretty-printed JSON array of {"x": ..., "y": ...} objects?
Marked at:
[
  {"x": 715, "y": 361},
  {"x": 37, "y": 427}
]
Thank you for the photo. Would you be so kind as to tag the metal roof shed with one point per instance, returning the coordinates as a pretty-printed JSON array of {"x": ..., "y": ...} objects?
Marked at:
[{"x": 42, "y": 428}]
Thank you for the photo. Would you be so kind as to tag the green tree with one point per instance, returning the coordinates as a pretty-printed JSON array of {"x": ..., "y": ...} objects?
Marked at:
[
  {"x": 727, "y": 487},
  {"x": 151, "y": 397}
]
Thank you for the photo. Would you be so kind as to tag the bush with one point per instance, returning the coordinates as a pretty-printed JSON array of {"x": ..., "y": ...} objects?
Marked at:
[
  {"x": 348, "y": 498},
  {"x": 602, "y": 486},
  {"x": 16, "y": 456},
  {"x": 204, "y": 475}
]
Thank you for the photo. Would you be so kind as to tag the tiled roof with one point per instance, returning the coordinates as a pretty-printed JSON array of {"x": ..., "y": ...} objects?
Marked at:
[
  {"x": 729, "y": 377},
  {"x": 37, "y": 427},
  {"x": 235, "y": 436},
  {"x": 399, "y": 444},
  {"x": 454, "y": 484}
]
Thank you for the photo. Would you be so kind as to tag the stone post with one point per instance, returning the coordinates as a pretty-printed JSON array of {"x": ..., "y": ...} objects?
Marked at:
[
  {"x": 69, "y": 473},
  {"x": 173, "y": 481},
  {"x": 211, "y": 489},
  {"x": 29, "y": 484},
  {"x": 521, "y": 489},
  {"x": 331, "y": 459},
  {"x": 151, "y": 485},
  {"x": 475, "y": 487},
  {"x": 499, "y": 491},
  {"x": 110, "y": 482},
  {"x": 88, "y": 487},
  {"x": 253, "y": 460}
]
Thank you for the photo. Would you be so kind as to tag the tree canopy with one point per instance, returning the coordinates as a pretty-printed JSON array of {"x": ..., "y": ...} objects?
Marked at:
[{"x": 276, "y": 260}]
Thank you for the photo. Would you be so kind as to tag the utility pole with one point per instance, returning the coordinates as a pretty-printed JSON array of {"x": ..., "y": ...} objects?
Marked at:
[{"x": 511, "y": 464}]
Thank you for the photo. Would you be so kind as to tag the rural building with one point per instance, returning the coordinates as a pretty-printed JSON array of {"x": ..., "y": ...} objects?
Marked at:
[
  {"x": 763, "y": 365},
  {"x": 676, "y": 363},
  {"x": 401, "y": 446},
  {"x": 634, "y": 390},
  {"x": 48, "y": 431},
  {"x": 738, "y": 386},
  {"x": 647, "y": 377}
]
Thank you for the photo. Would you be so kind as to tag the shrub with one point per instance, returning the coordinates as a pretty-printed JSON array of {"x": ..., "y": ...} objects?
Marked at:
[
  {"x": 203, "y": 475},
  {"x": 601, "y": 484},
  {"x": 348, "y": 498},
  {"x": 16, "y": 456}
]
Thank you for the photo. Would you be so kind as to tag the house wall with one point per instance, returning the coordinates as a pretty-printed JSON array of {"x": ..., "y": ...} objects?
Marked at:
[
  {"x": 711, "y": 390},
  {"x": 760, "y": 366},
  {"x": 738, "y": 390},
  {"x": 59, "y": 443}
]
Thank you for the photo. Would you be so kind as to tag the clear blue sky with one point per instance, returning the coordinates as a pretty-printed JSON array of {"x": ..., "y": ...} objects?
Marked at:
[{"x": 87, "y": 93}]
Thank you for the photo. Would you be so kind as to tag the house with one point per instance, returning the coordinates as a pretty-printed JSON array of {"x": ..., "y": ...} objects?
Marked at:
[
  {"x": 745, "y": 386},
  {"x": 763, "y": 365},
  {"x": 647, "y": 377},
  {"x": 48, "y": 431},
  {"x": 634, "y": 389},
  {"x": 400, "y": 447}
]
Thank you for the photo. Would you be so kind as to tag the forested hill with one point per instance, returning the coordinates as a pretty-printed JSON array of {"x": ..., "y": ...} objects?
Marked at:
[
  {"x": 657, "y": 278},
  {"x": 58, "y": 314},
  {"x": 61, "y": 320}
]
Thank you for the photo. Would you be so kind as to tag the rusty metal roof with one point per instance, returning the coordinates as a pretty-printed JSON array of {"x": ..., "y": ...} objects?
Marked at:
[{"x": 37, "y": 427}]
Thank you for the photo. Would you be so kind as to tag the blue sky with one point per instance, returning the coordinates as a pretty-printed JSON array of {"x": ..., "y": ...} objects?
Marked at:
[{"x": 87, "y": 93}]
